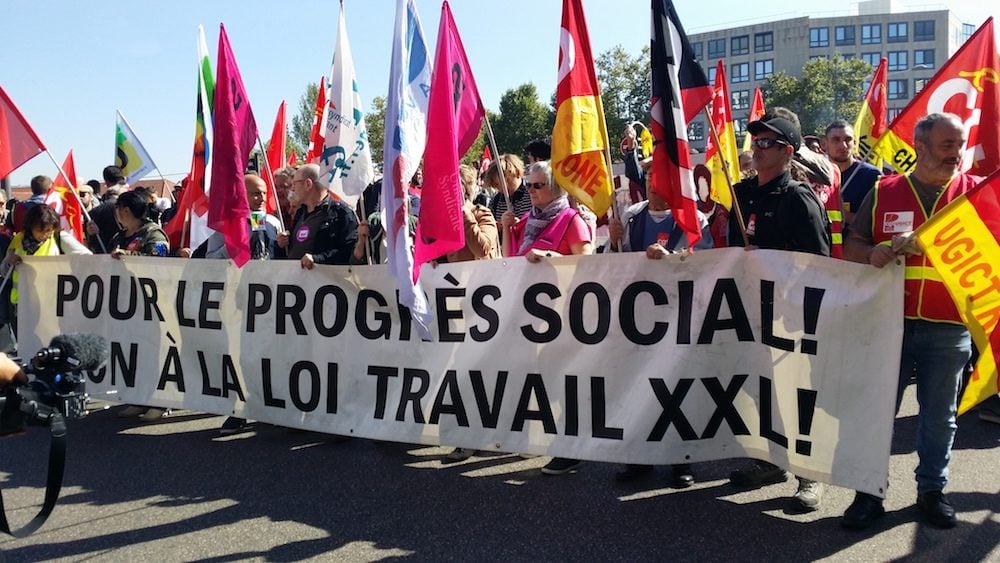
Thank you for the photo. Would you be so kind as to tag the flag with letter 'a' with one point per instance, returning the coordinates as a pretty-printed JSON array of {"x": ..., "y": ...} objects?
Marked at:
[
  {"x": 968, "y": 85},
  {"x": 680, "y": 91},
  {"x": 346, "y": 160},
  {"x": 580, "y": 135},
  {"x": 721, "y": 158},
  {"x": 871, "y": 122},
  {"x": 962, "y": 241},
  {"x": 756, "y": 114},
  {"x": 455, "y": 115},
  {"x": 63, "y": 198},
  {"x": 404, "y": 140},
  {"x": 18, "y": 141},
  {"x": 130, "y": 155},
  {"x": 235, "y": 135}
]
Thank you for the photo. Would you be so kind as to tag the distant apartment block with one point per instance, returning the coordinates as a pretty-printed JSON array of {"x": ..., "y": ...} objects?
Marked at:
[{"x": 916, "y": 44}]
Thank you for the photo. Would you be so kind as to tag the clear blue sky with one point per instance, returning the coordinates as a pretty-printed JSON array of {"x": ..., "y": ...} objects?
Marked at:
[{"x": 69, "y": 64}]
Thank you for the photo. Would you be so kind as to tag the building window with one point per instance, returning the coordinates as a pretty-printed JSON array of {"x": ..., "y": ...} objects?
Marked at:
[
  {"x": 872, "y": 58},
  {"x": 711, "y": 75},
  {"x": 967, "y": 30},
  {"x": 716, "y": 48},
  {"x": 844, "y": 35},
  {"x": 923, "y": 57},
  {"x": 871, "y": 34},
  {"x": 897, "y": 90},
  {"x": 740, "y": 45},
  {"x": 739, "y": 127},
  {"x": 918, "y": 84},
  {"x": 923, "y": 30},
  {"x": 740, "y": 72},
  {"x": 897, "y": 60},
  {"x": 897, "y": 33},
  {"x": 847, "y": 56},
  {"x": 817, "y": 57},
  {"x": 696, "y": 131},
  {"x": 819, "y": 37},
  {"x": 696, "y": 48},
  {"x": 893, "y": 112},
  {"x": 763, "y": 69},
  {"x": 741, "y": 99},
  {"x": 763, "y": 42}
]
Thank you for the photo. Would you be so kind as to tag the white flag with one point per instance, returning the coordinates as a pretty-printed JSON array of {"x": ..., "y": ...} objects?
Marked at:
[
  {"x": 346, "y": 160},
  {"x": 130, "y": 155}
]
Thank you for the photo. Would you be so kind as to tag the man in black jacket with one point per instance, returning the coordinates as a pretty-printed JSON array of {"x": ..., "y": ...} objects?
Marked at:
[
  {"x": 782, "y": 214},
  {"x": 324, "y": 230}
]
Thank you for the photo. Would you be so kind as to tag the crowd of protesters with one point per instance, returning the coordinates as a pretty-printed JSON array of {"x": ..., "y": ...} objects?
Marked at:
[{"x": 795, "y": 195}]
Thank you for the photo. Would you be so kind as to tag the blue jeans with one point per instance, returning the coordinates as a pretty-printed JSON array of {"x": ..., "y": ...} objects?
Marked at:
[{"x": 935, "y": 354}]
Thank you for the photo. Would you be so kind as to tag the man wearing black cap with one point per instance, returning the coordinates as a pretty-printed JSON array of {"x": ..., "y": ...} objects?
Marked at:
[{"x": 783, "y": 214}]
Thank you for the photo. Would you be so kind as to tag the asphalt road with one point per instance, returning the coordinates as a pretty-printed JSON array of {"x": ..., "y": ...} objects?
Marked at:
[{"x": 177, "y": 491}]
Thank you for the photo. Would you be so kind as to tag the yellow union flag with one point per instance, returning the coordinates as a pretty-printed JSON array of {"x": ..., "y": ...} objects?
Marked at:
[
  {"x": 962, "y": 243},
  {"x": 580, "y": 136},
  {"x": 722, "y": 158}
]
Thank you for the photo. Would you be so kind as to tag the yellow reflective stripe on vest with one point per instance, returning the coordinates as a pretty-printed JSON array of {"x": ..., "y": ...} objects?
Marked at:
[
  {"x": 922, "y": 273},
  {"x": 837, "y": 238},
  {"x": 836, "y": 216}
]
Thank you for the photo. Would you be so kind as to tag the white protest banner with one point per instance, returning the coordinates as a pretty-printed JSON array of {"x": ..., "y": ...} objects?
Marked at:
[{"x": 780, "y": 356}]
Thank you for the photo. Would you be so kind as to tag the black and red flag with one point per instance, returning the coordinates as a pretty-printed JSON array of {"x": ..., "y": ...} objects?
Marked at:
[{"x": 680, "y": 91}]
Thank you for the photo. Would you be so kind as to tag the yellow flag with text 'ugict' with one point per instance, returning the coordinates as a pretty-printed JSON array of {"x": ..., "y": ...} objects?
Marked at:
[
  {"x": 722, "y": 158},
  {"x": 580, "y": 136},
  {"x": 963, "y": 243}
]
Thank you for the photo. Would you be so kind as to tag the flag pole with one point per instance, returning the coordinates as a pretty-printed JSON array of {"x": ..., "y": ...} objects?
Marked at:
[
  {"x": 72, "y": 189},
  {"x": 498, "y": 159},
  {"x": 270, "y": 180},
  {"x": 729, "y": 181}
]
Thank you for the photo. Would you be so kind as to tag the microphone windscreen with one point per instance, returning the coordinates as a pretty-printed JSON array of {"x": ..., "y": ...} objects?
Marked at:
[{"x": 90, "y": 349}]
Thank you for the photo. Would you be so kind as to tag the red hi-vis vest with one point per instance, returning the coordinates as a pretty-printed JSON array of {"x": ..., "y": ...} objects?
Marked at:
[{"x": 897, "y": 210}]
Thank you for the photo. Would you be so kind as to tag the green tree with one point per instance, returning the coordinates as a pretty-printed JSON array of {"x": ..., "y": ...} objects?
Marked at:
[
  {"x": 303, "y": 120},
  {"x": 375, "y": 123},
  {"x": 523, "y": 117},
  {"x": 828, "y": 89},
  {"x": 626, "y": 88}
]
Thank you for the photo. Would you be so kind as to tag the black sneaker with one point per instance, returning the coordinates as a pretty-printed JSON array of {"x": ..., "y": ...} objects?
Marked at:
[
  {"x": 681, "y": 476},
  {"x": 633, "y": 472},
  {"x": 863, "y": 512},
  {"x": 560, "y": 465},
  {"x": 762, "y": 473},
  {"x": 232, "y": 425},
  {"x": 936, "y": 509}
]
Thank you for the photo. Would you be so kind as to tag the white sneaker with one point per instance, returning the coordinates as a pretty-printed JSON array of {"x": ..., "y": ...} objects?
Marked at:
[
  {"x": 154, "y": 413},
  {"x": 131, "y": 411}
]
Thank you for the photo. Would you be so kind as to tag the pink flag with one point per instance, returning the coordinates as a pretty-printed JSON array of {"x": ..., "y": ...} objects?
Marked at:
[
  {"x": 454, "y": 116},
  {"x": 235, "y": 135}
]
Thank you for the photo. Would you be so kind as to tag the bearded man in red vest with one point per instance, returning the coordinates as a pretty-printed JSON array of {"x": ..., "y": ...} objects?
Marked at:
[{"x": 936, "y": 345}]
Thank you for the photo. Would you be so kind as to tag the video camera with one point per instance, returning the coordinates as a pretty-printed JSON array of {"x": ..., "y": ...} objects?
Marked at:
[
  {"x": 57, "y": 385},
  {"x": 54, "y": 394}
]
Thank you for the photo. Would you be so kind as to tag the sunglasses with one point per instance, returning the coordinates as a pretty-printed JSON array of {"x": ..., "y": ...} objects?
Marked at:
[
  {"x": 535, "y": 185},
  {"x": 763, "y": 143}
]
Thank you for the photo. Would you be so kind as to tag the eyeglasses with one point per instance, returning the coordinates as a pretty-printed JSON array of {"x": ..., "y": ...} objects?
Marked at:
[
  {"x": 536, "y": 185},
  {"x": 763, "y": 143}
]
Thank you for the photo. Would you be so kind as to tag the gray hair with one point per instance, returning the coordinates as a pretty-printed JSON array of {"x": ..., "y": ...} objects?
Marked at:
[
  {"x": 922, "y": 132},
  {"x": 545, "y": 168},
  {"x": 288, "y": 172}
]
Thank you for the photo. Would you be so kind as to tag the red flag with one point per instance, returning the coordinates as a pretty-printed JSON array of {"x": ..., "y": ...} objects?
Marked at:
[
  {"x": 454, "y": 117},
  {"x": 968, "y": 85},
  {"x": 484, "y": 163},
  {"x": 275, "y": 156},
  {"x": 756, "y": 113},
  {"x": 63, "y": 198},
  {"x": 235, "y": 135},
  {"x": 318, "y": 134},
  {"x": 18, "y": 141},
  {"x": 293, "y": 159},
  {"x": 680, "y": 91}
]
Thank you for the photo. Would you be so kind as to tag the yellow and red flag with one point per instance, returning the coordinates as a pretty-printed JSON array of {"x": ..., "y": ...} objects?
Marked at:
[
  {"x": 968, "y": 85},
  {"x": 722, "y": 160},
  {"x": 756, "y": 113},
  {"x": 580, "y": 136},
  {"x": 62, "y": 197},
  {"x": 963, "y": 243},
  {"x": 871, "y": 122}
]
